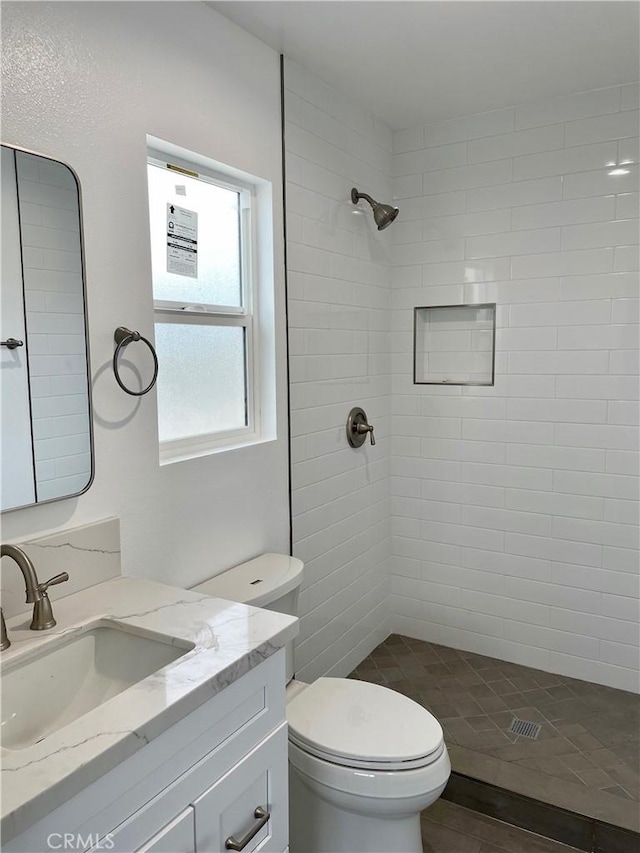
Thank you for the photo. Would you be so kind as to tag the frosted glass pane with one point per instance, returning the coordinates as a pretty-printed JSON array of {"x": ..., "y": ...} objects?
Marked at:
[
  {"x": 218, "y": 239},
  {"x": 201, "y": 381}
]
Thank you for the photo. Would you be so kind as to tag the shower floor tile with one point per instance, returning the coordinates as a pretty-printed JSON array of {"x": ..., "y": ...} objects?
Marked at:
[{"x": 586, "y": 757}]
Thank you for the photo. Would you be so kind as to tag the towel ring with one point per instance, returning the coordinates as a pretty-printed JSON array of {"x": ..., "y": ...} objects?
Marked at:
[{"x": 123, "y": 336}]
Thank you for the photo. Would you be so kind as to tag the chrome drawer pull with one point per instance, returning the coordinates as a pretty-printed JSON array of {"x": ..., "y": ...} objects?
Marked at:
[{"x": 262, "y": 816}]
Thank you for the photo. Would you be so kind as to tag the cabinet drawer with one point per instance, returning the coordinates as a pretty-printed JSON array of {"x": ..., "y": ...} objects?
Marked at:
[
  {"x": 228, "y": 808},
  {"x": 177, "y": 837}
]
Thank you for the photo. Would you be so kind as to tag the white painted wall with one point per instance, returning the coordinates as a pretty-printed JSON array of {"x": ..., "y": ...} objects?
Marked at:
[
  {"x": 85, "y": 83},
  {"x": 515, "y": 508},
  {"x": 339, "y": 318}
]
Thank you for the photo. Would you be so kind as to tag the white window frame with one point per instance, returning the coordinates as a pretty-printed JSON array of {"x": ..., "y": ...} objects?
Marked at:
[{"x": 244, "y": 316}]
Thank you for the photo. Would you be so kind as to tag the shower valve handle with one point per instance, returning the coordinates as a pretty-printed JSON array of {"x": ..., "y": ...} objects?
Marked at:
[
  {"x": 358, "y": 427},
  {"x": 363, "y": 429}
]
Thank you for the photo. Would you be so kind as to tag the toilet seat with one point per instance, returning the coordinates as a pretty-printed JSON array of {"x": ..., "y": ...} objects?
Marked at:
[
  {"x": 361, "y": 725},
  {"x": 363, "y": 764}
]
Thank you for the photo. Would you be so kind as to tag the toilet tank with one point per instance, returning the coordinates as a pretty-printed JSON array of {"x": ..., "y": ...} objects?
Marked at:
[{"x": 271, "y": 581}]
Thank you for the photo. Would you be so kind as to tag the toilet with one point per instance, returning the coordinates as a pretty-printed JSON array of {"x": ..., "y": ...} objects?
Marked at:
[{"x": 364, "y": 760}]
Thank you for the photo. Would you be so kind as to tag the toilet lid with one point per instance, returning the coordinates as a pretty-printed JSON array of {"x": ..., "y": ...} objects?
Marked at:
[{"x": 359, "y": 724}]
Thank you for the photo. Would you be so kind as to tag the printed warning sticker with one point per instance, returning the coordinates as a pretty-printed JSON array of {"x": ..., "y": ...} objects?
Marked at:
[{"x": 182, "y": 241}]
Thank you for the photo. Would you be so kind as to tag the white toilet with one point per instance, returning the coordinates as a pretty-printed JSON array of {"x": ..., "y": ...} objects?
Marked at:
[{"x": 364, "y": 761}]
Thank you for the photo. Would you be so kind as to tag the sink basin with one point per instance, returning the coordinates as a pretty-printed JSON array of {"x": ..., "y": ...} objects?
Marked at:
[{"x": 51, "y": 687}]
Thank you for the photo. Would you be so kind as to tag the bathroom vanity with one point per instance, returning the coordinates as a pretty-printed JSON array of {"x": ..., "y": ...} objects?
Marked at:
[{"x": 103, "y": 750}]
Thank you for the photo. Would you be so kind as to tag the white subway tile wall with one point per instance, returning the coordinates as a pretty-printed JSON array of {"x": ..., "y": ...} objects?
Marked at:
[
  {"x": 339, "y": 337},
  {"x": 515, "y": 508},
  {"x": 52, "y": 270},
  {"x": 510, "y": 512}
]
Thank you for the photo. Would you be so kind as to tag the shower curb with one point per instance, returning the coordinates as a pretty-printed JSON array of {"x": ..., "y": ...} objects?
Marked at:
[{"x": 558, "y": 824}]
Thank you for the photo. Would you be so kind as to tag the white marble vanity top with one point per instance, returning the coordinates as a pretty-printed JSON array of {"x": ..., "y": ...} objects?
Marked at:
[{"x": 229, "y": 639}]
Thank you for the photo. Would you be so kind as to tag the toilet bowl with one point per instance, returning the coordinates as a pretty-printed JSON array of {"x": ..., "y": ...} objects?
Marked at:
[
  {"x": 364, "y": 760},
  {"x": 346, "y": 811}
]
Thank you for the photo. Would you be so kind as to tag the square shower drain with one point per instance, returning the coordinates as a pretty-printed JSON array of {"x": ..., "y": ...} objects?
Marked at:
[{"x": 524, "y": 728}]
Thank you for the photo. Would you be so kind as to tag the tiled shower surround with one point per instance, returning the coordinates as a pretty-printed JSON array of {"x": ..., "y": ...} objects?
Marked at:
[
  {"x": 514, "y": 508},
  {"x": 339, "y": 290}
]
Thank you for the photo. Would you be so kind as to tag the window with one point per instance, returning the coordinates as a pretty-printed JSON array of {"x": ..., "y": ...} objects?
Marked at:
[{"x": 204, "y": 289}]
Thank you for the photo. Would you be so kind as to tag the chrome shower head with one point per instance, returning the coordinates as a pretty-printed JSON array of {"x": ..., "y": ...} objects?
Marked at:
[{"x": 383, "y": 214}]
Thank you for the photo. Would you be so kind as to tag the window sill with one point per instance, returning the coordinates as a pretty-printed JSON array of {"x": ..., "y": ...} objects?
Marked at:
[{"x": 199, "y": 449}]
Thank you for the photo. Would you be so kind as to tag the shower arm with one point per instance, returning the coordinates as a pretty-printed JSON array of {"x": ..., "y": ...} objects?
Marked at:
[{"x": 356, "y": 196}]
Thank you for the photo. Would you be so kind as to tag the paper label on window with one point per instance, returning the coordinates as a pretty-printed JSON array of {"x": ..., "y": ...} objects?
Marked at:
[{"x": 182, "y": 241}]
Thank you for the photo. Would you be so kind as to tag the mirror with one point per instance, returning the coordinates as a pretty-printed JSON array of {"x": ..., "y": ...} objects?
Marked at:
[{"x": 46, "y": 440}]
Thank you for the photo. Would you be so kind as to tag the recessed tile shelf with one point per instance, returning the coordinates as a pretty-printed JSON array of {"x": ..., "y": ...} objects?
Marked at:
[{"x": 454, "y": 344}]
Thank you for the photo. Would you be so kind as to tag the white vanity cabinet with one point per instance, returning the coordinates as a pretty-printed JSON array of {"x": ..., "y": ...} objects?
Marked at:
[
  {"x": 208, "y": 780},
  {"x": 223, "y": 811}
]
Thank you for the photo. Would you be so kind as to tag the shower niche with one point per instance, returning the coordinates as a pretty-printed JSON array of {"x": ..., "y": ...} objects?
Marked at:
[{"x": 454, "y": 344}]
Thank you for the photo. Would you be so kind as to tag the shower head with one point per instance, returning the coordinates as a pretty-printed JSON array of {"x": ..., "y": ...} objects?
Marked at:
[{"x": 383, "y": 214}]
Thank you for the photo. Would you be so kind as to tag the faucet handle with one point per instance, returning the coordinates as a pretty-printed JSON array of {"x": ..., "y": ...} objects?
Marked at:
[
  {"x": 56, "y": 579},
  {"x": 42, "y": 612},
  {"x": 5, "y": 642}
]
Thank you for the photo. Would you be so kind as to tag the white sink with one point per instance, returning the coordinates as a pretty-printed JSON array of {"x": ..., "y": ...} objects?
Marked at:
[{"x": 51, "y": 687}]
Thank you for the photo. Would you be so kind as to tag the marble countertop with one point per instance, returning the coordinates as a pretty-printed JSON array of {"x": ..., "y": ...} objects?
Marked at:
[{"x": 229, "y": 639}]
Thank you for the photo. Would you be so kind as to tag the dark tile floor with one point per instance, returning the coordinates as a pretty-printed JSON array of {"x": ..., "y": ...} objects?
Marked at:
[
  {"x": 586, "y": 757},
  {"x": 448, "y": 828}
]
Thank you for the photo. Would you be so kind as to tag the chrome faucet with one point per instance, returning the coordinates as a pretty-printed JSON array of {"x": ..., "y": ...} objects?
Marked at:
[{"x": 36, "y": 593}]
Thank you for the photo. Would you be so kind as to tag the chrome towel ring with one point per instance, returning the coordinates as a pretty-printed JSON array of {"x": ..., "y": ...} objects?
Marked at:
[{"x": 123, "y": 336}]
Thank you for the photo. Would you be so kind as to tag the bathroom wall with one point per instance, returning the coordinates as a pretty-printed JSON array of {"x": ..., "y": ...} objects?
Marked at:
[
  {"x": 85, "y": 83},
  {"x": 339, "y": 301},
  {"x": 515, "y": 507}
]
